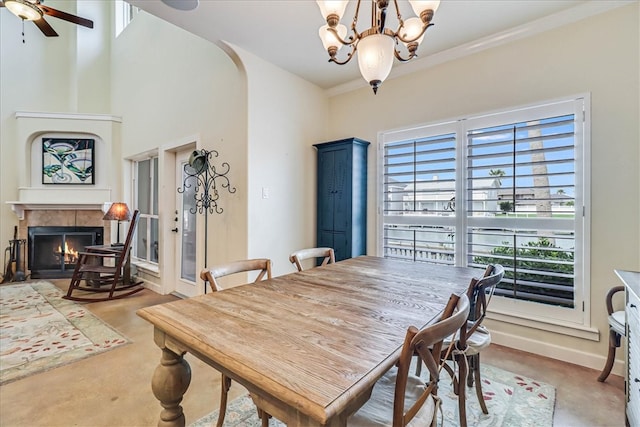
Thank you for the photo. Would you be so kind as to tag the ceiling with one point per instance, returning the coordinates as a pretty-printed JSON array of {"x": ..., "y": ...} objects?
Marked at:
[{"x": 285, "y": 32}]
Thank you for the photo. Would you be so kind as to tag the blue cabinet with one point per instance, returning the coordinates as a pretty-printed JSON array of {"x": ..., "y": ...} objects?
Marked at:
[{"x": 342, "y": 197}]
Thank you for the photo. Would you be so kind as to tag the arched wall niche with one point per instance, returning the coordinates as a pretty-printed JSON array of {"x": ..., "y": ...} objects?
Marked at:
[{"x": 32, "y": 193}]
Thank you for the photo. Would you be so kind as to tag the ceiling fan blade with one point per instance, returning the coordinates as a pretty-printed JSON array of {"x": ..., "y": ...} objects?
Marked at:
[
  {"x": 65, "y": 16},
  {"x": 46, "y": 29}
]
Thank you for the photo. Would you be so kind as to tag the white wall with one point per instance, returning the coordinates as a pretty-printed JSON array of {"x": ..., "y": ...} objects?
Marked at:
[
  {"x": 173, "y": 88},
  {"x": 262, "y": 120},
  {"x": 286, "y": 116},
  {"x": 43, "y": 75},
  {"x": 597, "y": 55}
]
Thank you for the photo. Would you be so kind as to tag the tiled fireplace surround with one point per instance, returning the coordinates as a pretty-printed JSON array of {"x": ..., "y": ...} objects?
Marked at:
[{"x": 62, "y": 218}]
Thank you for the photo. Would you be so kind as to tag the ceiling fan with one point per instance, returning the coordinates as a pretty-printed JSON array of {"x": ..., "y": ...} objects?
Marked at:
[{"x": 34, "y": 10}]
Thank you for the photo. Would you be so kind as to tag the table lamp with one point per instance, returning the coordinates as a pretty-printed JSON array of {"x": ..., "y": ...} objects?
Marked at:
[{"x": 118, "y": 212}]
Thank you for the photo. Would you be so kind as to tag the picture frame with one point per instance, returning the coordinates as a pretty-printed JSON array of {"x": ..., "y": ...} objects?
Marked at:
[{"x": 68, "y": 161}]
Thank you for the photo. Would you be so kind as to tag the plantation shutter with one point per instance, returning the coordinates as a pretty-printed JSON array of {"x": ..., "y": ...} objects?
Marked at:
[
  {"x": 419, "y": 184},
  {"x": 520, "y": 187}
]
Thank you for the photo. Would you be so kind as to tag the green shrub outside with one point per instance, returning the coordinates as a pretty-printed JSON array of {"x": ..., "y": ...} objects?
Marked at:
[{"x": 534, "y": 257}]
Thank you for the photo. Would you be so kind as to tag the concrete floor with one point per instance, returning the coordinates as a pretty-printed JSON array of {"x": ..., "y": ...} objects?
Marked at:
[{"x": 114, "y": 388}]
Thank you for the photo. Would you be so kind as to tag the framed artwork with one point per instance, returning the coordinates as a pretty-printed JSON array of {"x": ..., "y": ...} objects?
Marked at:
[{"x": 68, "y": 161}]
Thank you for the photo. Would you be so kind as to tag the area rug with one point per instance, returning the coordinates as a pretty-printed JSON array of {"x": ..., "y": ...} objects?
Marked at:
[
  {"x": 512, "y": 400},
  {"x": 39, "y": 330}
]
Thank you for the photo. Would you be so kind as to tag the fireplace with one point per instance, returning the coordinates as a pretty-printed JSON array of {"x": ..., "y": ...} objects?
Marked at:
[{"x": 53, "y": 251}]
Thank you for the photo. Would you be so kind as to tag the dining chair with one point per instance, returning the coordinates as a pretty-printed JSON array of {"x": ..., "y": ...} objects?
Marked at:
[
  {"x": 399, "y": 398},
  {"x": 617, "y": 330},
  {"x": 103, "y": 270},
  {"x": 472, "y": 338},
  {"x": 327, "y": 254},
  {"x": 263, "y": 267}
]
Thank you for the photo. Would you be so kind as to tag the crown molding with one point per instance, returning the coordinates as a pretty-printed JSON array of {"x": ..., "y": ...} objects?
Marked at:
[
  {"x": 67, "y": 116},
  {"x": 557, "y": 20}
]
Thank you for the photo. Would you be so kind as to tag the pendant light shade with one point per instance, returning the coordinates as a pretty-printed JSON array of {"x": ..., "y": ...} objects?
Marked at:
[
  {"x": 329, "y": 39},
  {"x": 375, "y": 58},
  {"x": 420, "y": 6}
]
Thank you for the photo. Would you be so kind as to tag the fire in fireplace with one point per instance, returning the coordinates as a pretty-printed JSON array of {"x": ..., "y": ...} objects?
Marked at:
[
  {"x": 53, "y": 251},
  {"x": 68, "y": 254}
]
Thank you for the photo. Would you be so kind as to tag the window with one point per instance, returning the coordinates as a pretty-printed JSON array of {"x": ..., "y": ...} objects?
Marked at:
[
  {"x": 146, "y": 201},
  {"x": 497, "y": 188},
  {"x": 124, "y": 13}
]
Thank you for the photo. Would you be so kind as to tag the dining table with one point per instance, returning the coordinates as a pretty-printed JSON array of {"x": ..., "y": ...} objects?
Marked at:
[{"x": 308, "y": 346}]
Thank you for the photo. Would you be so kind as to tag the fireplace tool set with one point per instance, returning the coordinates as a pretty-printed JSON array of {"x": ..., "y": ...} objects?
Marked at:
[{"x": 13, "y": 256}]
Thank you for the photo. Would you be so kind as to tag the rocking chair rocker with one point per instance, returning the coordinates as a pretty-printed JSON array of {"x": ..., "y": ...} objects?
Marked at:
[{"x": 113, "y": 279}]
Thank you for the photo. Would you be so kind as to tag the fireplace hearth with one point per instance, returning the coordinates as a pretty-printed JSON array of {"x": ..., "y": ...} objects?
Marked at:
[{"x": 53, "y": 251}]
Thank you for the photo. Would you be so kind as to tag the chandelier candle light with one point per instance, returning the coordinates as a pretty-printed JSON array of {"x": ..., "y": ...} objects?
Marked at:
[{"x": 376, "y": 46}]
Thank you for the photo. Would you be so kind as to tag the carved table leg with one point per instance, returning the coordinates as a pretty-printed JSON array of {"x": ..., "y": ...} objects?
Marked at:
[{"x": 170, "y": 381}]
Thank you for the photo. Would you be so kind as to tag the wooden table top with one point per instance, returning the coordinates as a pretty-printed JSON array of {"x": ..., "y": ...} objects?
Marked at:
[{"x": 313, "y": 339}]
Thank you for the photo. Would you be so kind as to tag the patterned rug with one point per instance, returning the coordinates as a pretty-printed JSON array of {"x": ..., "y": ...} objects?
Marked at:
[
  {"x": 39, "y": 330},
  {"x": 512, "y": 400}
]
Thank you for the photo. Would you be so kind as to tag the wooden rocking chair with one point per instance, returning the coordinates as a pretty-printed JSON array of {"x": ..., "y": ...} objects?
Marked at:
[{"x": 112, "y": 279}]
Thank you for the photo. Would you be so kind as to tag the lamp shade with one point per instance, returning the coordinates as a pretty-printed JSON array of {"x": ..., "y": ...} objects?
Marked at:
[
  {"x": 329, "y": 39},
  {"x": 23, "y": 9},
  {"x": 332, "y": 7},
  {"x": 375, "y": 58},
  {"x": 420, "y": 6},
  {"x": 118, "y": 212},
  {"x": 411, "y": 30}
]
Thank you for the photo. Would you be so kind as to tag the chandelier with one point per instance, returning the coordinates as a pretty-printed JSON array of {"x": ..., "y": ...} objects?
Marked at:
[{"x": 376, "y": 46}]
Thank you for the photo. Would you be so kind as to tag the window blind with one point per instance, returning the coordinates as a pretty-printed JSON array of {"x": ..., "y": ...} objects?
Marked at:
[{"x": 522, "y": 177}]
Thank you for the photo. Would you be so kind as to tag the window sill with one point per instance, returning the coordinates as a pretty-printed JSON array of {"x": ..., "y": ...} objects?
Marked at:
[
  {"x": 558, "y": 326},
  {"x": 146, "y": 267}
]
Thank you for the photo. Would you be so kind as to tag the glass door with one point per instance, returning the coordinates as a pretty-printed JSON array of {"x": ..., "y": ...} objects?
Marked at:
[{"x": 185, "y": 232}]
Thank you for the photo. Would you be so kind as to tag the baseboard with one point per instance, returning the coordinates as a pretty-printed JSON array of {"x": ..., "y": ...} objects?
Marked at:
[
  {"x": 541, "y": 348},
  {"x": 152, "y": 286}
]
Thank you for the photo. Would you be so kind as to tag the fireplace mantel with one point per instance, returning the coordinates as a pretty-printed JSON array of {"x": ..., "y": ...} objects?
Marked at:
[{"x": 60, "y": 199}]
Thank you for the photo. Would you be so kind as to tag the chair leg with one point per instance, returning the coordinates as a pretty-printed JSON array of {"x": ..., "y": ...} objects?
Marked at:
[
  {"x": 462, "y": 403},
  {"x": 264, "y": 417},
  {"x": 476, "y": 373},
  {"x": 472, "y": 370},
  {"x": 76, "y": 277},
  {"x": 614, "y": 341},
  {"x": 224, "y": 391}
]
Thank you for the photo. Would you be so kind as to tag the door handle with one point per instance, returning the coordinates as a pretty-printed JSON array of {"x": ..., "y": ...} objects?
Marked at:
[{"x": 175, "y": 230}]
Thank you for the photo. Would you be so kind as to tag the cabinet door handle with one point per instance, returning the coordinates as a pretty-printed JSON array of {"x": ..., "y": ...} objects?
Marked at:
[
  {"x": 175, "y": 230},
  {"x": 632, "y": 305}
]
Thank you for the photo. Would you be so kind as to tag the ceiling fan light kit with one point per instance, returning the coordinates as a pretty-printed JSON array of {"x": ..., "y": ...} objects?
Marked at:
[
  {"x": 34, "y": 10},
  {"x": 23, "y": 9},
  {"x": 376, "y": 46}
]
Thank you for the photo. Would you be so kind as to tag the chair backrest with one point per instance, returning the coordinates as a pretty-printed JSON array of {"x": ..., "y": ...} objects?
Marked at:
[
  {"x": 262, "y": 265},
  {"x": 480, "y": 292},
  {"x": 327, "y": 254},
  {"x": 609, "y": 298},
  {"x": 427, "y": 344},
  {"x": 128, "y": 242}
]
